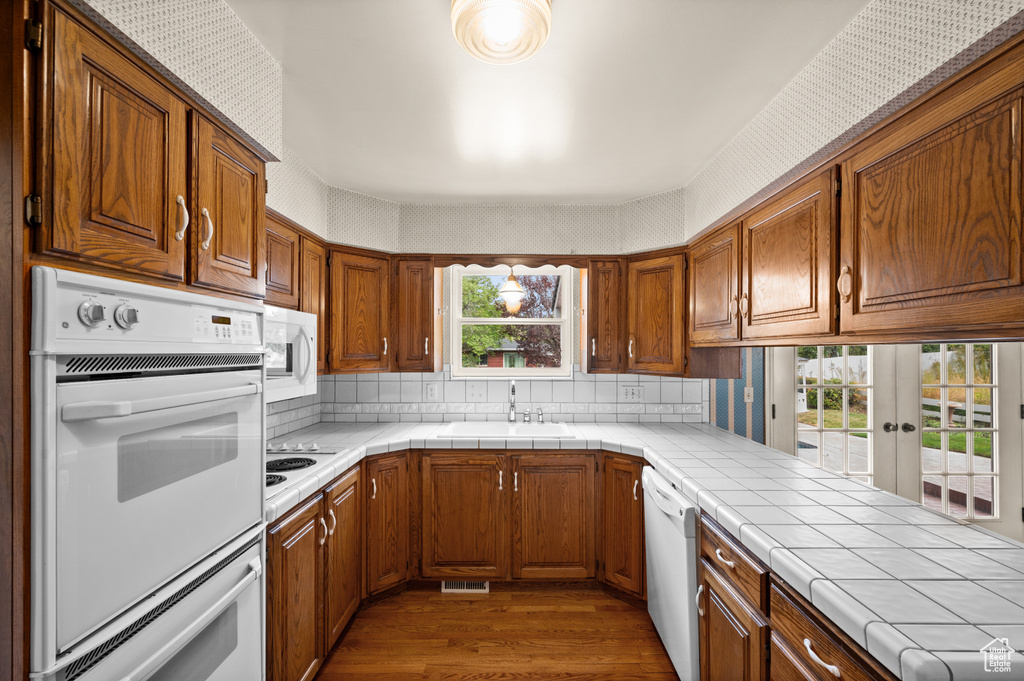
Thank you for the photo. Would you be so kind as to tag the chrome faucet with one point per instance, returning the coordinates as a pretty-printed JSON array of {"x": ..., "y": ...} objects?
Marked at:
[{"x": 512, "y": 403}]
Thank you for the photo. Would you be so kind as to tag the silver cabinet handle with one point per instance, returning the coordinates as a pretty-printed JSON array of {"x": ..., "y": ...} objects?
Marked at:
[
  {"x": 845, "y": 284},
  {"x": 721, "y": 557},
  {"x": 635, "y": 483},
  {"x": 630, "y": 348},
  {"x": 426, "y": 345},
  {"x": 374, "y": 481},
  {"x": 499, "y": 481},
  {"x": 515, "y": 481},
  {"x": 334, "y": 521},
  {"x": 593, "y": 347},
  {"x": 209, "y": 230},
  {"x": 323, "y": 524},
  {"x": 180, "y": 234},
  {"x": 385, "y": 346},
  {"x": 744, "y": 305},
  {"x": 814, "y": 656},
  {"x": 700, "y": 591}
]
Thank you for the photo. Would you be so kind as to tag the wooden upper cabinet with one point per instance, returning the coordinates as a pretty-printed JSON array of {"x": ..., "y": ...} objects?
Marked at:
[
  {"x": 623, "y": 524},
  {"x": 655, "y": 305},
  {"x": 313, "y": 295},
  {"x": 387, "y": 522},
  {"x": 605, "y": 294},
  {"x": 360, "y": 287},
  {"x": 117, "y": 176},
  {"x": 229, "y": 248},
  {"x": 415, "y": 346},
  {"x": 553, "y": 517},
  {"x": 714, "y": 283},
  {"x": 283, "y": 255},
  {"x": 931, "y": 219},
  {"x": 789, "y": 247},
  {"x": 465, "y": 516}
]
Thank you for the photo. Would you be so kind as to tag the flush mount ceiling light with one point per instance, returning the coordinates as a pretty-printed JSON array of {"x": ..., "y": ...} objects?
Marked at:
[
  {"x": 501, "y": 31},
  {"x": 512, "y": 293}
]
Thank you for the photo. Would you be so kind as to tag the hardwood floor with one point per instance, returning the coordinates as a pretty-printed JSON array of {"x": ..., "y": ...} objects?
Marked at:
[{"x": 515, "y": 633}]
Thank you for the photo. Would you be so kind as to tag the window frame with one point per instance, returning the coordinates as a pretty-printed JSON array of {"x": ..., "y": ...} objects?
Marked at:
[{"x": 457, "y": 322}]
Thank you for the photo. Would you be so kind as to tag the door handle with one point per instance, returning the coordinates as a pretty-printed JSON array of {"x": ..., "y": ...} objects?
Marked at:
[
  {"x": 500, "y": 487},
  {"x": 334, "y": 521},
  {"x": 515, "y": 481},
  {"x": 814, "y": 656},
  {"x": 725, "y": 561},
  {"x": 426, "y": 345},
  {"x": 323, "y": 524},
  {"x": 635, "y": 483},
  {"x": 890, "y": 427},
  {"x": 90, "y": 411},
  {"x": 845, "y": 284},
  {"x": 744, "y": 305},
  {"x": 734, "y": 307},
  {"x": 374, "y": 481},
  {"x": 909, "y": 427},
  {"x": 593, "y": 347},
  {"x": 209, "y": 230},
  {"x": 385, "y": 346},
  {"x": 700, "y": 592},
  {"x": 631, "y": 348},
  {"x": 183, "y": 210}
]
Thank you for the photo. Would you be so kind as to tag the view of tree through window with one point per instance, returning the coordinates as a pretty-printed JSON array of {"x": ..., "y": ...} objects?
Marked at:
[{"x": 509, "y": 344}]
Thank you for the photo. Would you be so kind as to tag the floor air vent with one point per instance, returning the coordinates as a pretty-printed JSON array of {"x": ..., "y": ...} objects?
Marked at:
[{"x": 454, "y": 587}]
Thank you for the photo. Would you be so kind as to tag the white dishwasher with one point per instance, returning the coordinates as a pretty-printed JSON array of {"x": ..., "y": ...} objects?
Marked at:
[{"x": 670, "y": 522}]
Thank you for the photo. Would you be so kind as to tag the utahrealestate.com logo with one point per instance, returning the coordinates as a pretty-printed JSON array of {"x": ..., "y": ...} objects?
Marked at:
[{"x": 997, "y": 655}]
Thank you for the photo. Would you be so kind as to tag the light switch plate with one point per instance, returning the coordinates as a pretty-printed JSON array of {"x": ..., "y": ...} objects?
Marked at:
[
  {"x": 748, "y": 394},
  {"x": 632, "y": 393}
]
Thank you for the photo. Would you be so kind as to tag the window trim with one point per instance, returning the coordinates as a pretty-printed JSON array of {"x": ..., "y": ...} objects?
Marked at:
[{"x": 457, "y": 321}]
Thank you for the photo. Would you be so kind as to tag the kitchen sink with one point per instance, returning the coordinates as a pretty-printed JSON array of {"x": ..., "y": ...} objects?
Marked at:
[{"x": 505, "y": 430}]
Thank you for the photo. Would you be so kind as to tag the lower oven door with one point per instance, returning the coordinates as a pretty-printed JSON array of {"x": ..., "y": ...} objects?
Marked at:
[
  {"x": 207, "y": 626},
  {"x": 151, "y": 476}
]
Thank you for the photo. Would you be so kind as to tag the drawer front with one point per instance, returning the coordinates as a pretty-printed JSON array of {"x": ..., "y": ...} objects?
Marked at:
[
  {"x": 741, "y": 569},
  {"x": 785, "y": 665},
  {"x": 795, "y": 627}
]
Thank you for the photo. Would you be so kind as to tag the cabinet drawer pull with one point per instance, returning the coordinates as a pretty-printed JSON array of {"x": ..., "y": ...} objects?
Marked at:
[
  {"x": 374, "y": 481},
  {"x": 500, "y": 487},
  {"x": 744, "y": 305},
  {"x": 700, "y": 592},
  {"x": 385, "y": 346},
  {"x": 721, "y": 557},
  {"x": 845, "y": 284},
  {"x": 426, "y": 345},
  {"x": 515, "y": 481},
  {"x": 635, "y": 483},
  {"x": 334, "y": 521},
  {"x": 183, "y": 222},
  {"x": 814, "y": 656},
  {"x": 323, "y": 524},
  {"x": 734, "y": 307},
  {"x": 631, "y": 348},
  {"x": 593, "y": 347},
  {"x": 209, "y": 230}
]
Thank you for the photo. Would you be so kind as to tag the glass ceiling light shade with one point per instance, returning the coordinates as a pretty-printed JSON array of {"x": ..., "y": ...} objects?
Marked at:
[
  {"x": 501, "y": 31},
  {"x": 512, "y": 293}
]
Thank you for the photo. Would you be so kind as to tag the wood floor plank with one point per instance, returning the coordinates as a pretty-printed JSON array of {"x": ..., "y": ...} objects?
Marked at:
[{"x": 519, "y": 632}]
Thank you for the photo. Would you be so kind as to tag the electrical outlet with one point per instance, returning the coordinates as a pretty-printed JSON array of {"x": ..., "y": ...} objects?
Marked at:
[
  {"x": 748, "y": 394},
  {"x": 632, "y": 393},
  {"x": 432, "y": 391}
]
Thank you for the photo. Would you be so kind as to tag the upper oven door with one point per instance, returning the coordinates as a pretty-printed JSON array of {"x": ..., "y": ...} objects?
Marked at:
[
  {"x": 290, "y": 342},
  {"x": 152, "y": 475}
]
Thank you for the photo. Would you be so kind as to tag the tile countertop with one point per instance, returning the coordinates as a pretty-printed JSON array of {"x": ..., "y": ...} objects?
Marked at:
[{"x": 921, "y": 592}]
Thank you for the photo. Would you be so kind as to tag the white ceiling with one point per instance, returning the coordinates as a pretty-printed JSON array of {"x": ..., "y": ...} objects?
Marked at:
[{"x": 627, "y": 98}]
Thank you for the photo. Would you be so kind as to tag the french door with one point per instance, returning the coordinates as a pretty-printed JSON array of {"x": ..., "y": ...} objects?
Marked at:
[{"x": 936, "y": 423}]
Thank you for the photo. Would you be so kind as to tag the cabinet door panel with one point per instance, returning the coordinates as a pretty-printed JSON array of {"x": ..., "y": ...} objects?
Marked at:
[
  {"x": 344, "y": 554},
  {"x": 623, "y": 524},
  {"x": 414, "y": 310},
  {"x": 119, "y": 160},
  {"x": 465, "y": 528},
  {"x": 788, "y": 250},
  {"x": 732, "y": 635},
  {"x": 656, "y": 315},
  {"x": 714, "y": 288},
  {"x": 387, "y": 523},
  {"x": 553, "y": 517},
  {"x": 295, "y": 595},
  {"x": 283, "y": 256},
  {"x": 314, "y": 295},
  {"x": 359, "y": 315},
  {"x": 604, "y": 315},
  {"x": 229, "y": 244},
  {"x": 932, "y": 223}
]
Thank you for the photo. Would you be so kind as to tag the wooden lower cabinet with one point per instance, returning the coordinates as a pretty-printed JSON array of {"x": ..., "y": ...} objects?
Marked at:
[
  {"x": 344, "y": 501},
  {"x": 553, "y": 526},
  {"x": 295, "y": 597},
  {"x": 387, "y": 522},
  {"x": 622, "y": 523},
  {"x": 465, "y": 516},
  {"x": 785, "y": 666},
  {"x": 733, "y": 635}
]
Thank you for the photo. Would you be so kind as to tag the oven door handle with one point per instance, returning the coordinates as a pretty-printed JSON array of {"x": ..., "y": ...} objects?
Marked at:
[
  {"x": 90, "y": 411},
  {"x": 151, "y": 665}
]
